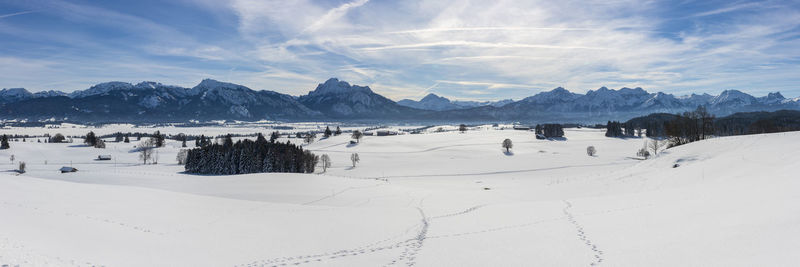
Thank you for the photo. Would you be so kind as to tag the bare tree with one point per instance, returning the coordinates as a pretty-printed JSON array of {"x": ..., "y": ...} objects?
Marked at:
[
  {"x": 654, "y": 145},
  {"x": 146, "y": 148},
  {"x": 591, "y": 151},
  {"x": 357, "y": 135},
  {"x": 309, "y": 138},
  {"x": 326, "y": 162},
  {"x": 507, "y": 144},
  {"x": 354, "y": 158},
  {"x": 145, "y": 154}
]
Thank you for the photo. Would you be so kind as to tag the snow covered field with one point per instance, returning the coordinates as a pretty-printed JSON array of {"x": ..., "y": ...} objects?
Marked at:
[{"x": 435, "y": 199}]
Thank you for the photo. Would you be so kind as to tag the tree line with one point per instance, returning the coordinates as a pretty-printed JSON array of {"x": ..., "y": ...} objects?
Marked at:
[
  {"x": 550, "y": 130},
  {"x": 247, "y": 156},
  {"x": 699, "y": 124}
]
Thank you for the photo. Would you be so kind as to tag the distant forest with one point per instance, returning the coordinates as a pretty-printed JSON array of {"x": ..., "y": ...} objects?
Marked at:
[{"x": 699, "y": 124}]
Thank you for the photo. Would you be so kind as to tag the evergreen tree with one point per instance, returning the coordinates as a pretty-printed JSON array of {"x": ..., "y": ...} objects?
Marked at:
[
  {"x": 158, "y": 138},
  {"x": 127, "y": 140},
  {"x": 274, "y": 136},
  {"x": 552, "y": 130},
  {"x": 614, "y": 129},
  {"x": 338, "y": 131},
  {"x": 327, "y": 132},
  {"x": 4, "y": 142},
  {"x": 228, "y": 140}
]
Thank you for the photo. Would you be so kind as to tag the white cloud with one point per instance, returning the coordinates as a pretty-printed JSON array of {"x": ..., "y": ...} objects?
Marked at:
[{"x": 510, "y": 49}]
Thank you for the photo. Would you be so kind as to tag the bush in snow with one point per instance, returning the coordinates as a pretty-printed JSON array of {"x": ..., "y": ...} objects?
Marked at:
[
  {"x": 21, "y": 168},
  {"x": 100, "y": 143},
  {"x": 643, "y": 153},
  {"x": 591, "y": 151},
  {"x": 462, "y": 128},
  {"x": 507, "y": 144}
]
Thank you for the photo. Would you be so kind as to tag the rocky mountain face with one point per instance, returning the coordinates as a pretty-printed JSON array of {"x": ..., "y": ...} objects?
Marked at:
[{"x": 339, "y": 100}]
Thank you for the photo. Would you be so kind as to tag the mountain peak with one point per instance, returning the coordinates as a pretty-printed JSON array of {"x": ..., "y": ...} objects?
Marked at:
[
  {"x": 335, "y": 86},
  {"x": 733, "y": 96},
  {"x": 211, "y": 84},
  {"x": 14, "y": 91},
  {"x": 775, "y": 95},
  {"x": 432, "y": 97}
]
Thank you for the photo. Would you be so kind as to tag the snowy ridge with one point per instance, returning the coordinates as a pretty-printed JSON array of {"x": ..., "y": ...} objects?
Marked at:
[
  {"x": 439, "y": 103},
  {"x": 336, "y": 99}
]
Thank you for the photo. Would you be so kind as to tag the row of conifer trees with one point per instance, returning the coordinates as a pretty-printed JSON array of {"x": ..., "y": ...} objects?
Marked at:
[{"x": 247, "y": 156}]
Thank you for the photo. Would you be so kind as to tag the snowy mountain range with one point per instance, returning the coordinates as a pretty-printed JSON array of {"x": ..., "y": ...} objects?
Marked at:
[
  {"x": 438, "y": 103},
  {"x": 339, "y": 100}
]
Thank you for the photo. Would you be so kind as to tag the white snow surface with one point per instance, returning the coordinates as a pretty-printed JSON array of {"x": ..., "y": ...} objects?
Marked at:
[{"x": 433, "y": 199}]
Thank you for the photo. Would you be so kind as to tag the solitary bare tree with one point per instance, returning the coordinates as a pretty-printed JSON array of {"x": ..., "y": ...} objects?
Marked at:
[
  {"x": 655, "y": 144},
  {"x": 326, "y": 162},
  {"x": 354, "y": 158},
  {"x": 357, "y": 135},
  {"x": 507, "y": 144},
  {"x": 146, "y": 150}
]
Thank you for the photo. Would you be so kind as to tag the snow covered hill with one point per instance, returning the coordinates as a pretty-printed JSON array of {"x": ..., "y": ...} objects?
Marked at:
[{"x": 435, "y": 199}]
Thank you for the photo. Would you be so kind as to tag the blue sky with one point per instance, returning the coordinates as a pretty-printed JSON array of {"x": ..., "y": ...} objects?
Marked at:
[{"x": 478, "y": 50}]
